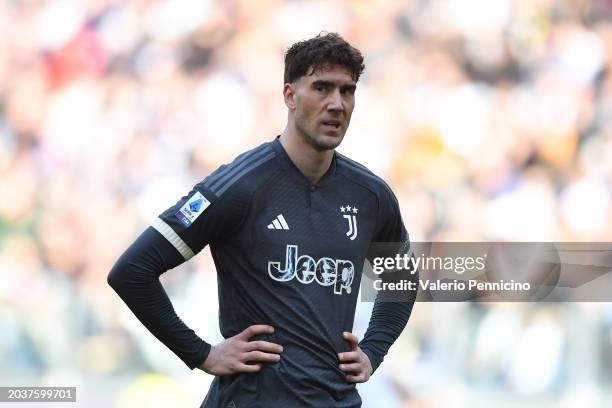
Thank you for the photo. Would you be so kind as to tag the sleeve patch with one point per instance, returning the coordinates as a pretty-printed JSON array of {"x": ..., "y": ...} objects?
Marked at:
[{"x": 192, "y": 209}]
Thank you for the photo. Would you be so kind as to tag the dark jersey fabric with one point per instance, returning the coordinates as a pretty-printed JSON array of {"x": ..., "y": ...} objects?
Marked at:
[{"x": 289, "y": 254}]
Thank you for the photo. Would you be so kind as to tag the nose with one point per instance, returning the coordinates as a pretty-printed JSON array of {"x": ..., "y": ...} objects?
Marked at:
[{"x": 335, "y": 101}]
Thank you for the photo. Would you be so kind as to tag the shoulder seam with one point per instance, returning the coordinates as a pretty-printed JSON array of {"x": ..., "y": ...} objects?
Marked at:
[
  {"x": 237, "y": 176},
  {"x": 224, "y": 173},
  {"x": 220, "y": 182},
  {"x": 361, "y": 169}
]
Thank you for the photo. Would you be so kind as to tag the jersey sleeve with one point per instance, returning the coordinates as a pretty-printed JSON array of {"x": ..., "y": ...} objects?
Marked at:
[
  {"x": 135, "y": 278},
  {"x": 201, "y": 217},
  {"x": 388, "y": 318},
  {"x": 198, "y": 218},
  {"x": 390, "y": 225}
]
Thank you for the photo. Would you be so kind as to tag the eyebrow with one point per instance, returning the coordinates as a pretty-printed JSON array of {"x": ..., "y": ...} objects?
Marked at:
[{"x": 329, "y": 84}]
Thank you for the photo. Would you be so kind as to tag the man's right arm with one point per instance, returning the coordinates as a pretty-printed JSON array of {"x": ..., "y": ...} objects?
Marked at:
[
  {"x": 135, "y": 278},
  {"x": 180, "y": 232},
  {"x": 200, "y": 217}
]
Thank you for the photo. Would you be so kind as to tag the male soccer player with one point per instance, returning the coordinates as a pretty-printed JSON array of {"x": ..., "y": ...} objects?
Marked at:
[{"x": 289, "y": 224}]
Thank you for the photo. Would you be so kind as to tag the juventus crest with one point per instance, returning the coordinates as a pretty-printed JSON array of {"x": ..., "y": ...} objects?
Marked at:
[{"x": 349, "y": 212}]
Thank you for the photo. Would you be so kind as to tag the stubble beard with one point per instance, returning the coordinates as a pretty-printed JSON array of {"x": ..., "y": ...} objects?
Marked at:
[{"x": 318, "y": 141}]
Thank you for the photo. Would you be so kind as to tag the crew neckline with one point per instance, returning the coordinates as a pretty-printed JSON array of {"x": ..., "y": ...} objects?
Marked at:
[{"x": 288, "y": 165}]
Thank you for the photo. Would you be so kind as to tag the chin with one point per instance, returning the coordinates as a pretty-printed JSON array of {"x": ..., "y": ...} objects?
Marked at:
[{"x": 326, "y": 142}]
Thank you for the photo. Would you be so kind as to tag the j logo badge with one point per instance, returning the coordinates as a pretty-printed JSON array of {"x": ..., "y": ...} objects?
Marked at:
[{"x": 349, "y": 213}]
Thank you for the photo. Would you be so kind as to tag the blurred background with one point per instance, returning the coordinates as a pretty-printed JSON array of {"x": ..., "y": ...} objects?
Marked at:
[{"x": 491, "y": 120}]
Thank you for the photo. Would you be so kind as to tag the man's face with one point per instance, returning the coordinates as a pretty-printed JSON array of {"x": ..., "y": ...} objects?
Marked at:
[{"x": 322, "y": 105}]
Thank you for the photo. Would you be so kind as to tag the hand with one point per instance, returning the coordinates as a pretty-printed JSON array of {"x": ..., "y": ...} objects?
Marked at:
[
  {"x": 231, "y": 356},
  {"x": 355, "y": 362}
]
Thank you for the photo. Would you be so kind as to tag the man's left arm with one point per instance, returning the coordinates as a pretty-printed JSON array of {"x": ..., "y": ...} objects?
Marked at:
[
  {"x": 388, "y": 318},
  {"x": 386, "y": 324}
]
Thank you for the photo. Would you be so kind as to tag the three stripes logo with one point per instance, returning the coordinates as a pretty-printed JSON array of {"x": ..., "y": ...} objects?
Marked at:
[{"x": 278, "y": 223}]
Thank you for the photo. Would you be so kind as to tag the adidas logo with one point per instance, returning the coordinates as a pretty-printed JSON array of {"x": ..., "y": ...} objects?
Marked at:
[{"x": 279, "y": 223}]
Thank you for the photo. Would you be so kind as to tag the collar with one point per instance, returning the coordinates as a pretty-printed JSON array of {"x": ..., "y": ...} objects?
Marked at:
[{"x": 292, "y": 169}]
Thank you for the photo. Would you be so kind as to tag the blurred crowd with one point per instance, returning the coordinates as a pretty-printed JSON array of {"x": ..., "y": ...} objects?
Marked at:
[{"x": 491, "y": 120}]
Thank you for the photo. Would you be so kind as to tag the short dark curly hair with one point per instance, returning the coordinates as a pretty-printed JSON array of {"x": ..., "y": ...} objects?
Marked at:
[{"x": 304, "y": 57}]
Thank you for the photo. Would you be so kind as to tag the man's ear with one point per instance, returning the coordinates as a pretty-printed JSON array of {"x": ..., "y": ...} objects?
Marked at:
[{"x": 289, "y": 95}]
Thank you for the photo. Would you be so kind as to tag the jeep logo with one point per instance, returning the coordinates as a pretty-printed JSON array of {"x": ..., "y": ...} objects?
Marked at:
[{"x": 325, "y": 271}]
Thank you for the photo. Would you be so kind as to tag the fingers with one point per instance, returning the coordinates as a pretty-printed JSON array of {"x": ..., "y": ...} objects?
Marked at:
[
  {"x": 354, "y": 368},
  {"x": 355, "y": 362},
  {"x": 258, "y": 350},
  {"x": 261, "y": 356},
  {"x": 348, "y": 357},
  {"x": 350, "y": 337},
  {"x": 254, "y": 330},
  {"x": 247, "y": 368},
  {"x": 236, "y": 354},
  {"x": 361, "y": 378},
  {"x": 264, "y": 346}
]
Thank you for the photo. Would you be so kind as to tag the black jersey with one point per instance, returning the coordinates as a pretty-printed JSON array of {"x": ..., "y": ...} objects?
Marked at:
[{"x": 288, "y": 254}]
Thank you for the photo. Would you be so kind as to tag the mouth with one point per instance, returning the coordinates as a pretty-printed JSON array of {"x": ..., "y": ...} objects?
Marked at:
[{"x": 331, "y": 124}]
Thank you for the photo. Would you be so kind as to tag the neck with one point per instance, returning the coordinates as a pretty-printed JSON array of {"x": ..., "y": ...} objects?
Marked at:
[{"x": 311, "y": 162}]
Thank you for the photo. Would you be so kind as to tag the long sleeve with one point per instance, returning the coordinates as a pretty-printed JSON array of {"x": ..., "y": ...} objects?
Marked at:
[
  {"x": 179, "y": 233},
  {"x": 135, "y": 278},
  {"x": 386, "y": 324},
  {"x": 389, "y": 318}
]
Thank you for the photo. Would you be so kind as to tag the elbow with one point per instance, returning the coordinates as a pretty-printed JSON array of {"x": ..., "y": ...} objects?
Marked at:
[
  {"x": 115, "y": 276},
  {"x": 110, "y": 279}
]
